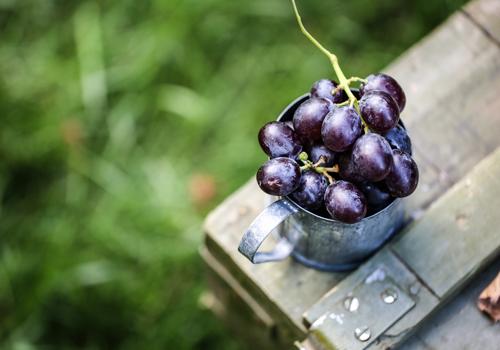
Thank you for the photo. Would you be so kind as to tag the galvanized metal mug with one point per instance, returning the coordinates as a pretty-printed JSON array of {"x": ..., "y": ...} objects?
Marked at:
[{"x": 316, "y": 241}]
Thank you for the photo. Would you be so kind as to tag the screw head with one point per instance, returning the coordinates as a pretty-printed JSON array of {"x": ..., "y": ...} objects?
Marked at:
[
  {"x": 363, "y": 333},
  {"x": 389, "y": 296},
  {"x": 351, "y": 303}
]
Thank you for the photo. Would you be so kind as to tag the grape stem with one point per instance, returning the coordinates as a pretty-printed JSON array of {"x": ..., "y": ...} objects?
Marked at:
[
  {"x": 333, "y": 169},
  {"x": 317, "y": 166},
  {"x": 325, "y": 172},
  {"x": 345, "y": 103},
  {"x": 349, "y": 81},
  {"x": 329, "y": 177},
  {"x": 343, "y": 81},
  {"x": 358, "y": 79},
  {"x": 321, "y": 160}
]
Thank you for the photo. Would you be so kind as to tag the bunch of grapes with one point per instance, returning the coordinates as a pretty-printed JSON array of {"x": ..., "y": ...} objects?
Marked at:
[
  {"x": 337, "y": 160},
  {"x": 345, "y": 154}
]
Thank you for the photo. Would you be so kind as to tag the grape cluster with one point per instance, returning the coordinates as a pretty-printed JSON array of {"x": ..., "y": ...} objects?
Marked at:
[{"x": 341, "y": 157}]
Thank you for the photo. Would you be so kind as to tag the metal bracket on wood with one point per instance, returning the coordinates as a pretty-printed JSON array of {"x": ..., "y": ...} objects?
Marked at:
[{"x": 358, "y": 315}]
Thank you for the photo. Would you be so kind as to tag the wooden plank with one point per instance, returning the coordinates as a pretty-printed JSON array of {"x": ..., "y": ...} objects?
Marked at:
[
  {"x": 460, "y": 325},
  {"x": 237, "y": 308},
  {"x": 452, "y": 81},
  {"x": 480, "y": 13},
  {"x": 458, "y": 231},
  {"x": 242, "y": 295},
  {"x": 445, "y": 125},
  {"x": 455, "y": 238},
  {"x": 452, "y": 205}
]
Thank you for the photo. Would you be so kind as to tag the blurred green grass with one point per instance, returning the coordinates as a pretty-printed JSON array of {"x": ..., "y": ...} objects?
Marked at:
[{"x": 109, "y": 110}]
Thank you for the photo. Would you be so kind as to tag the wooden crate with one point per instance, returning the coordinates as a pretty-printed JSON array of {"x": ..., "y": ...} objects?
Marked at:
[{"x": 454, "y": 128}]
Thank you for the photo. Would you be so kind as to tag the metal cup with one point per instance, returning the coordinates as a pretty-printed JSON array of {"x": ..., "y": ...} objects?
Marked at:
[{"x": 315, "y": 241}]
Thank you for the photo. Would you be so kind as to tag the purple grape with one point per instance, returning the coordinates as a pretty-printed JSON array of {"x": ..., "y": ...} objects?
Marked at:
[
  {"x": 372, "y": 157},
  {"x": 385, "y": 83},
  {"x": 403, "y": 178},
  {"x": 377, "y": 196},
  {"x": 279, "y": 176},
  {"x": 379, "y": 111},
  {"x": 324, "y": 87},
  {"x": 347, "y": 170},
  {"x": 311, "y": 191},
  {"x": 398, "y": 139},
  {"x": 309, "y": 117},
  {"x": 318, "y": 151},
  {"x": 345, "y": 202},
  {"x": 278, "y": 140},
  {"x": 341, "y": 128}
]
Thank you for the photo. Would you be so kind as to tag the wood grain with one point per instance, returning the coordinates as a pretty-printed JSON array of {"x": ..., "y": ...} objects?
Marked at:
[
  {"x": 242, "y": 314},
  {"x": 451, "y": 241},
  {"x": 452, "y": 80},
  {"x": 460, "y": 325},
  {"x": 480, "y": 12}
]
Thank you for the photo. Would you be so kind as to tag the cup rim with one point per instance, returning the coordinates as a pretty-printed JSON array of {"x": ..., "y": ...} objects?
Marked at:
[{"x": 393, "y": 203}]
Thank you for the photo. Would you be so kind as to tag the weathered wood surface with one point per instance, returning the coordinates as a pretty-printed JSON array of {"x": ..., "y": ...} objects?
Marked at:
[
  {"x": 459, "y": 325},
  {"x": 236, "y": 307},
  {"x": 452, "y": 127},
  {"x": 481, "y": 12},
  {"x": 458, "y": 232},
  {"x": 455, "y": 238},
  {"x": 452, "y": 81}
]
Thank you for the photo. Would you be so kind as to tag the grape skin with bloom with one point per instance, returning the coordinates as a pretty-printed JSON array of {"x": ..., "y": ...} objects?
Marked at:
[
  {"x": 278, "y": 140},
  {"x": 350, "y": 171},
  {"x": 279, "y": 176}
]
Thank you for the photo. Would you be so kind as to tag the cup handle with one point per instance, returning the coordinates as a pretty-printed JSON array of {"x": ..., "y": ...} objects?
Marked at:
[{"x": 260, "y": 229}]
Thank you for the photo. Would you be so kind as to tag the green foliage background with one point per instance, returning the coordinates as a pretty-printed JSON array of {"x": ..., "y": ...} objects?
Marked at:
[{"x": 107, "y": 110}]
